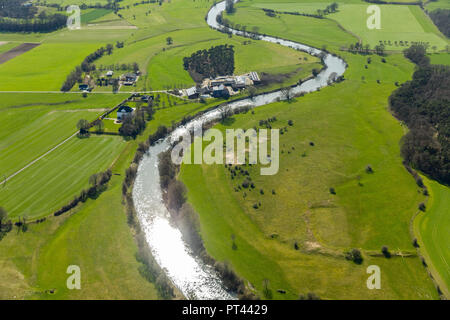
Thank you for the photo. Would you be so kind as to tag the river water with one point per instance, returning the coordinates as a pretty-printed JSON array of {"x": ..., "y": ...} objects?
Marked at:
[{"x": 190, "y": 275}]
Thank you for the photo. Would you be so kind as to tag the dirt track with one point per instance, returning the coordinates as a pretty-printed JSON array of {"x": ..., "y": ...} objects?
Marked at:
[{"x": 17, "y": 51}]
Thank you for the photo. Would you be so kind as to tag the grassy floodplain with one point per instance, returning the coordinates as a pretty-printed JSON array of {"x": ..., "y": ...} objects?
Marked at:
[
  {"x": 429, "y": 226},
  {"x": 398, "y": 22}
]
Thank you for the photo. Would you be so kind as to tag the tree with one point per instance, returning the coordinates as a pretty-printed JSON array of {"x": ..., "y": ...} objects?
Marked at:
[
  {"x": 169, "y": 40},
  {"x": 229, "y": 7},
  {"x": 3, "y": 216}
]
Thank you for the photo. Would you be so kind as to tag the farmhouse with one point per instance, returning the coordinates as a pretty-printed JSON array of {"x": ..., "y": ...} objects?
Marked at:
[
  {"x": 124, "y": 111},
  {"x": 84, "y": 87},
  {"x": 109, "y": 73}
]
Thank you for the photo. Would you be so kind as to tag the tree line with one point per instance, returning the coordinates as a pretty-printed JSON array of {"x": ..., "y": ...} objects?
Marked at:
[
  {"x": 40, "y": 24},
  {"x": 424, "y": 105},
  {"x": 216, "y": 61}
]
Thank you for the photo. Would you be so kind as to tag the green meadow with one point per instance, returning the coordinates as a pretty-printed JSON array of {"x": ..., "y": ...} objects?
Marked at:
[
  {"x": 398, "y": 22},
  {"x": 43, "y": 68},
  {"x": 439, "y": 4},
  {"x": 297, "y": 237}
]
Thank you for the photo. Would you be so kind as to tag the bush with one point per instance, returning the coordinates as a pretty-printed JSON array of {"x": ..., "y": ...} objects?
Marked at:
[
  {"x": 385, "y": 251},
  {"x": 355, "y": 256},
  {"x": 422, "y": 206}
]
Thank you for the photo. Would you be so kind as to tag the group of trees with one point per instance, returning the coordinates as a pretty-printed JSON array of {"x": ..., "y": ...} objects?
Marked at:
[
  {"x": 441, "y": 18},
  {"x": 365, "y": 48},
  {"x": 424, "y": 105},
  {"x": 216, "y": 61}
]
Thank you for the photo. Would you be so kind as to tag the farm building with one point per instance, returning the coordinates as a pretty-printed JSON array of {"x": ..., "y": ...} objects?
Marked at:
[
  {"x": 124, "y": 111},
  {"x": 109, "y": 73}
]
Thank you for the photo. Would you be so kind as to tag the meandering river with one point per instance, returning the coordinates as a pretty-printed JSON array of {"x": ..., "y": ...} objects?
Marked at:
[{"x": 189, "y": 274}]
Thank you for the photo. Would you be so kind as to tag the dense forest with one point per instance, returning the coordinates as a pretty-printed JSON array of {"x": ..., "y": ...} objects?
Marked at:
[
  {"x": 216, "y": 61},
  {"x": 16, "y": 9},
  {"x": 424, "y": 105},
  {"x": 441, "y": 18}
]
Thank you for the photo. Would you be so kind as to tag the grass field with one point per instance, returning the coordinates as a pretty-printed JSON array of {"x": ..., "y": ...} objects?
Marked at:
[
  {"x": 431, "y": 226},
  {"x": 315, "y": 32},
  {"x": 303, "y": 210},
  {"x": 398, "y": 23},
  {"x": 348, "y": 123},
  {"x": 44, "y": 68},
  {"x": 367, "y": 212}
]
